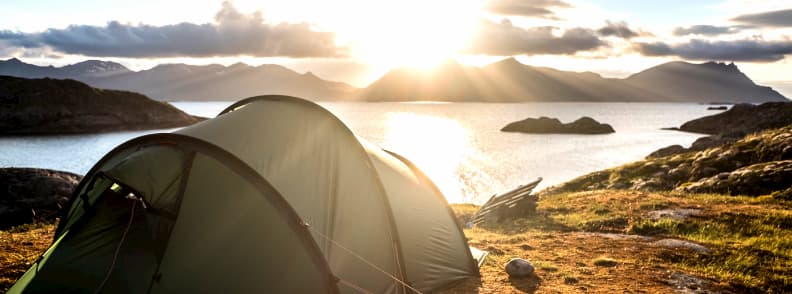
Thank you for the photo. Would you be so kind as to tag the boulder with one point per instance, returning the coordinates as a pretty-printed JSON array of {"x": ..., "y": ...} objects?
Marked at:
[
  {"x": 546, "y": 125},
  {"x": 707, "y": 142},
  {"x": 754, "y": 180},
  {"x": 666, "y": 151},
  {"x": 519, "y": 268},
  {"x": 674, "y": 243},
  {"x": 30, "y": 194}
]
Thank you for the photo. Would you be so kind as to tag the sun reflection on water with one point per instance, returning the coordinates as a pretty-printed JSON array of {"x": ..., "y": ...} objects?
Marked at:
[{"x": 439, "y": 146}]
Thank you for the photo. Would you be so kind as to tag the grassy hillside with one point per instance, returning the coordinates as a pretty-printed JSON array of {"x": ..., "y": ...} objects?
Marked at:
[{"x": 757, "y": 164}]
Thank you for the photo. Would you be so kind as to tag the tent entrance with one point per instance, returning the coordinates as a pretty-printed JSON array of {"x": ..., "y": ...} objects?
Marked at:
[{"x": 111, "y": 247}]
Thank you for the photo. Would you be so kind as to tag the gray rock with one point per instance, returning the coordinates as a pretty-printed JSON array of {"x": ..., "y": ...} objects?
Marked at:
[
  {"x": 679, "y": 173},
  {"x": 519, "y": 268},
  {"x": 757, "y": 179},
  {"x": 707, "y": 142},
  {"x": 31, "y": 194},
  {"x": 666, "y": 151},
  {"x": 675, "y": 214},
  {"x": 687, "y": 284},
  {"x": 674, "y": 243}
]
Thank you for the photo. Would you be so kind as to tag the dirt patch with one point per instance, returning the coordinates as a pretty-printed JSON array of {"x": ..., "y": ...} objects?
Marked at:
[{"x": 565, "y": 263}]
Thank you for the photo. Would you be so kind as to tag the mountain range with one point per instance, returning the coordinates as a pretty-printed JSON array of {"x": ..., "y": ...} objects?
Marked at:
[
  {"x": 181, "y": 82},
  {"x": 504, "y": 81},
  {"x": 511, "y": 81}
]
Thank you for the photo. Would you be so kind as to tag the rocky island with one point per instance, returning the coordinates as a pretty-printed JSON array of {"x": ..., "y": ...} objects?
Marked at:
[
  {"x": 730, "y": 126},
  {"x": 51, "y": 106},
  {"x": 546, "y": 125}
]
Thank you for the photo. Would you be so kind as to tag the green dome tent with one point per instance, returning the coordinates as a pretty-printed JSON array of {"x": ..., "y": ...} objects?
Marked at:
[{"x": 273, "y": 195}]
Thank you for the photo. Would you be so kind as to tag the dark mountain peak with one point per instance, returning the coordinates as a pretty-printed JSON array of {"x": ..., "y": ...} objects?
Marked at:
[
  {"x": 720, "y": 66},
  {"x": 274, "y": 67},
  {"x": 15, "y": 60},
  {"x": 686, "y": 66},
  {"x": 510, "y": 62},
  {"x": 94, "y": 62},
  {"x": 239, "y": 65},
  {"x": 95, "y": 67},
  {"x": 171, "y": 66},
  {"x": 704, "y": 82}
]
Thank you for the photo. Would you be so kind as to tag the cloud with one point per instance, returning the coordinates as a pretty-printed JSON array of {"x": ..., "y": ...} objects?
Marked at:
[
  {"x": 778, "y": 18},
  {"x": 617, "y": 29},
  {"x": 233, "y": 33},
  {"x": 505, "y": 39},
  {"x": 526, "y": 8},
  {"x": 707, "y": 30},
  {"x": 740, "y": 50}
]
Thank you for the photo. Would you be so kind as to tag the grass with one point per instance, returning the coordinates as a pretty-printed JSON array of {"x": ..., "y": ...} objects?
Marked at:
[
  {"x": 605, "y": 261},
  {"x": 592, "y": 240},
  {"x": 19, "y": 248}
]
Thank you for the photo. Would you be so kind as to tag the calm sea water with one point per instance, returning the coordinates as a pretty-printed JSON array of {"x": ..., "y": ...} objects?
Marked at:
[{"x": 458, "y": 145}]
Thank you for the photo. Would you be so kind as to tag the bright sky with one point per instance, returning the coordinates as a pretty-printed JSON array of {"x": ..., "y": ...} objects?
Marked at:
[{"x": 357, "y": 41}]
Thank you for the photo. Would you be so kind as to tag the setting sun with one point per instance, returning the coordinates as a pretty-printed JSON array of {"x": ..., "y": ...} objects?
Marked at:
[{"x": 410, "y": 33}]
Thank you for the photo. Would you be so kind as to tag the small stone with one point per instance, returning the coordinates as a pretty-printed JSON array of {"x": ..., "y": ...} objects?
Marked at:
[
  {"x": 519, "y": 268},
  {"x": 570, "y": 280}
]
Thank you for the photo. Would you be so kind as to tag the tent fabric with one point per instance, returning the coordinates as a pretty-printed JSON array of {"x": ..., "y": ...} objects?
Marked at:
[
  {"x": 435, "y": 249},
  {"x": 275, "y": 194}
]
